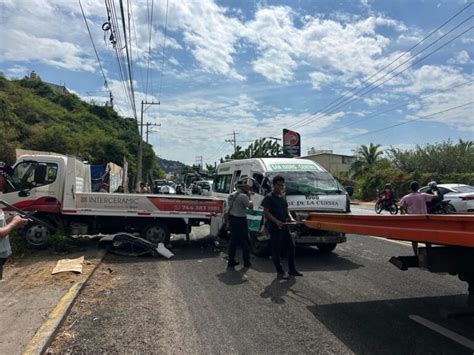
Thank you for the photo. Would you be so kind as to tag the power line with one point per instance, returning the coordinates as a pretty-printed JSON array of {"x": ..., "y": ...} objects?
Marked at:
[
  {"x": 408, "y": 121},
  {"x": 310, "y": 118},
  {"x": 355, "y": 98},
  {"x": 398, "y": 106},
  {"x": 150, "y": 27},
  {"x": 136, "y": 42},
  {"x": 116, "y": 41},
  {"x": 129, "y": 61},
  {"x": 106, "y": 84},
  {"x": 163, "y": 54}
]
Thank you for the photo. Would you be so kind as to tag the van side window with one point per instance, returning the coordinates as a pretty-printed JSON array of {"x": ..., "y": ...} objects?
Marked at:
[
  {"x": 258, "y": 178},
  {"x": 222, "y": 183}
]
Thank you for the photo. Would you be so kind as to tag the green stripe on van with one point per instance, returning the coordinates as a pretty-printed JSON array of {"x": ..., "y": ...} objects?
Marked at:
[
  {"x": 289, "y": 167},
  {"x": 254, "y": 219}
]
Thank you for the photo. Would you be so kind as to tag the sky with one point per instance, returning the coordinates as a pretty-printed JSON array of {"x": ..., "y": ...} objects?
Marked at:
[{"x": 340, "y": 72}]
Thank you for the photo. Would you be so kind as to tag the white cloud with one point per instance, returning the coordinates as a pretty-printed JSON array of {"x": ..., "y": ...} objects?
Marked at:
[
  {"x": 17, "y": 71},
  {"x": 318, "y": 79},
  {"x": 433, "y": 77},
  {"x": 461, "y": 58}
]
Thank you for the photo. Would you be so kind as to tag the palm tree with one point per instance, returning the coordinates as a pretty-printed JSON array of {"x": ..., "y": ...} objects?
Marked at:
[{"x": 366, "y": 158}]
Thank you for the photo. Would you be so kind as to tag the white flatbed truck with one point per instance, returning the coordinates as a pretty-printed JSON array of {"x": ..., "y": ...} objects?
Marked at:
[{"x": 58, "y": 188}]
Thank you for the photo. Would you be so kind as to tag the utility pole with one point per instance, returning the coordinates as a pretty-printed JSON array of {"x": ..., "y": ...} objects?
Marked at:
[
  {"x": 140, "y": 148},
  {"x": 199, "y": 161},
  {"x": 148, "y": 125},
  {"x": 233, "y": 140}
]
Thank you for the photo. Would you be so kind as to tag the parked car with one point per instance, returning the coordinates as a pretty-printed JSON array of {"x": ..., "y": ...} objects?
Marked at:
[
  {"x": 461, "y": 196},
  {"x": 202, "y": 187}
]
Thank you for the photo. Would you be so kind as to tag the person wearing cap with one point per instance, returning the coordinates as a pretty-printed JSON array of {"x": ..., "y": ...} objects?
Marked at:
[
  {"x": 6, "y": 226},
  {"x": 238, "y": 202},
  {"x": 276, "y": 213}
]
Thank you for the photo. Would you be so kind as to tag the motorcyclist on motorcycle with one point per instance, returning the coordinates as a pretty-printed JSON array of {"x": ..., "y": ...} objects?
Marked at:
[
  {"x": 433, "y": 190},
  {"x": 388, "y": 195}
]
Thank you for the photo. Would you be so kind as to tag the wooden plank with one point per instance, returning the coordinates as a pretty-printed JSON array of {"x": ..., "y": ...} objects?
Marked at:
[{"x": 455, "y": 230}]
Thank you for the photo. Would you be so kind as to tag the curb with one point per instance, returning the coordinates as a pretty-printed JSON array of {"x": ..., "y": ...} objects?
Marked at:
[{"x": 45, "y": 333}]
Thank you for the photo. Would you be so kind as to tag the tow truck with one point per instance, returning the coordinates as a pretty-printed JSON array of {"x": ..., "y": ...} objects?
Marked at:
[
  {"x": 58, "y": 189},
  {"x": 448, "y": 239}
]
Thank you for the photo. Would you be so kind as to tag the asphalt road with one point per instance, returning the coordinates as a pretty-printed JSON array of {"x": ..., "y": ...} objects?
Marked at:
[{"x": 351, "y": 301}]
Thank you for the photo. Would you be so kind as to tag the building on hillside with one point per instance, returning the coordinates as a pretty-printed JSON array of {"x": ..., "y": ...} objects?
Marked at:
[
  {"x": 60, "y": 89},
  {"x": 334, "y": 163}
]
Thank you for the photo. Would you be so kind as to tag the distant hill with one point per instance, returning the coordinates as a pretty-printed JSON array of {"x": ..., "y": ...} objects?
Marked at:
[
  {"x": 36, "y": 116},
  {"x": 171, "y": 166}
]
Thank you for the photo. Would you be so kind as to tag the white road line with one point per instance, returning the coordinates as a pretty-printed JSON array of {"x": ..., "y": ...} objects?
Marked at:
[
  {"x": 443, "y": 331},
  {"x": 401, "y": 242}
]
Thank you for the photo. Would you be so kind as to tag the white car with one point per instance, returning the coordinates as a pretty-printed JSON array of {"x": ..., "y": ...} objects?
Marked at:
[{"x": 460, "y": 196}]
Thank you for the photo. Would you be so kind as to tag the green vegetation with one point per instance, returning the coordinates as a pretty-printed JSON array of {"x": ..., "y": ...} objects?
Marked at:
[
  {"x": 445, "y": 162},
  {"x": 261, "y": 148},
  {"x": 34, "y": 116}
]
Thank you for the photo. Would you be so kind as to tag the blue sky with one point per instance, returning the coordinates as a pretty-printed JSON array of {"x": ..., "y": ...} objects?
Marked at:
[{"x": 256, "y": 67}]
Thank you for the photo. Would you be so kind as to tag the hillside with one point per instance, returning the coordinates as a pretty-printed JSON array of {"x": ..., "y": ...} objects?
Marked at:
[
  {"x": 171, "y": 166},
  {"x": 34, "y": 116}
]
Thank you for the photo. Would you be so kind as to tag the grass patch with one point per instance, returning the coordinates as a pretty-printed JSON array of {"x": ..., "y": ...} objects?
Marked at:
[{"x": 62, "y": 244}]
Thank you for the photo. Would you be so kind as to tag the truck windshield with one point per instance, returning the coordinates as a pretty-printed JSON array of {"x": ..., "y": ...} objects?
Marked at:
[
  {"x": 309, "y": 183},
  {"x": 30, "y": 174}
]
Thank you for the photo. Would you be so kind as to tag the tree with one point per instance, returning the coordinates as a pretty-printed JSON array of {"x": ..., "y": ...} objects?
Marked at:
[
  {"x": 440, "y": 158},
  {"x": 367, "y": 156},
  {"x": 260, "y": 148}
]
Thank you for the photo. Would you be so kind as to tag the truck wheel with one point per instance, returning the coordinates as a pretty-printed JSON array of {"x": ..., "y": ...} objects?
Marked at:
[
  {"x": 326, "y": 248},
  {"x": 36, "y": 235},
  {"x": 259, "y": 248},
  {"x": 156, "y": 233}
]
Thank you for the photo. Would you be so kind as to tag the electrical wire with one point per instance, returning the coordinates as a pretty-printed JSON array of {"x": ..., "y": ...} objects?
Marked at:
[
  {"x": 129, "y": 61},
  {"x": 393, "y": 108},
  {"x": 357, "y": 97},
  {"x": 408, "y": 121},
  {"x": 106, "y": 84},
  {"x": 150, "y": 27},
  {"x": 312, "y": 116},
  {"x": 163, "y": 54}
]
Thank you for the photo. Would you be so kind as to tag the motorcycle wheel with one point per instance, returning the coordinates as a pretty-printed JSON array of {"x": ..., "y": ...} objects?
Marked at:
[
  {"x": 378, "y": 207},
  {"x": 393, "y": 209}
]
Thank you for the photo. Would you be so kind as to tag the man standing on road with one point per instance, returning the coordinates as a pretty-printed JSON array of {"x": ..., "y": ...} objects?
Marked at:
[
  {"x": 415, "y": 203},
  {"x": 276, "y": 214},
  {"x": 238, "y": 202},
  {"x": 7, "y": 226}
]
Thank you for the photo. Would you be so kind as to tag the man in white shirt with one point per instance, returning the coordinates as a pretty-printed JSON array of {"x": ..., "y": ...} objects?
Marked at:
[{"x": 6, "y": 226}]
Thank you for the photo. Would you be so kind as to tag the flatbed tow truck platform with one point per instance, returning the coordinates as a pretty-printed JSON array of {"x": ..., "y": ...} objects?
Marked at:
[{"x": 449, "y": 239}]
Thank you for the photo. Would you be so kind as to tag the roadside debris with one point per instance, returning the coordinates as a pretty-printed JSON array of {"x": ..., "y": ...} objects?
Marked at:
[
  {"x": 65, "y": 265},
  {"x": 129, "y": 245},
  {"x": 163, "y": 251}
]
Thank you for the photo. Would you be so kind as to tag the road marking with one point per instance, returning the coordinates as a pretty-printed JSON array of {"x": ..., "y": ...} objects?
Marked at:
[
  {"x": 401, "y": 242},
  {"x": 443, "y": 331}
]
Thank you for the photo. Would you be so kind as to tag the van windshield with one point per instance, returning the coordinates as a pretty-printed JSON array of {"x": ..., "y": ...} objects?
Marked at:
[{"x": 309, "y": 183}]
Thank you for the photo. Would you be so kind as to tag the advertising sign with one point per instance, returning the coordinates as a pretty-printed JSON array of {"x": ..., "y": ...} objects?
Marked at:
[{"x": 292, "y": 142}]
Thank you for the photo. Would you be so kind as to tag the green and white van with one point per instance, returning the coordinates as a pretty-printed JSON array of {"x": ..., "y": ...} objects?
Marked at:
[{"x": 308, "y": 188}]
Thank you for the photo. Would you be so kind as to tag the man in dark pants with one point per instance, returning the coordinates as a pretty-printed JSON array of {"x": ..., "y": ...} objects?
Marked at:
[
  {"x": 7, "y": 226},
  {"x": 238, "y": 202},
  {"x": 277, "y": 213}
]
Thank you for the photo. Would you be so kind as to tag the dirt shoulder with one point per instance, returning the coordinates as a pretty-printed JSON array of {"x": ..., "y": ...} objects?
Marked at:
[{"x": 29, "y": 293}]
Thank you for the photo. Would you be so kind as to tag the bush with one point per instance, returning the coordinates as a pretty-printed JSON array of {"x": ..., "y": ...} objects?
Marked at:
[
  {"x": 18, "y": 244},
  {"x": 62, "y": 244}
]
